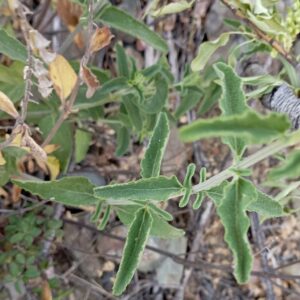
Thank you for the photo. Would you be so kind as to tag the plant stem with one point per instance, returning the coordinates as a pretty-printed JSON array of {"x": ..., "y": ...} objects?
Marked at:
[
  {"x": 67, "y": 107},
  {"x": 249, "y": 161}
]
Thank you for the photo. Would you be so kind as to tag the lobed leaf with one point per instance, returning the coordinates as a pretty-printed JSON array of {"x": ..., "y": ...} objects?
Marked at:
[
  {"x": 135, "y": 243},
  {"x": 158, "y": 188},
  {"x": 238, "y": 195},
  {"x": 73, "y": 191},
  {"x": 124, "y": 22},
  {"x": 150, "y": 164},
  {"x": 252, "y": 127},
  {"x": 232, "y": 102}
]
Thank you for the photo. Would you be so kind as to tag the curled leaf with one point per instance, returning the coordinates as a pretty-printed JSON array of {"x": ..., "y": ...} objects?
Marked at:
[
  {"x": 100, "y": 39},
  {"x": 38, "y": 44},
  {"x": 90, "y": 80},
  {"x": 207, "y": 49},
  {"x": 172, "y": 8},
  {"x": 7, "y": 106},
  {"x": 63, "y": 77}
]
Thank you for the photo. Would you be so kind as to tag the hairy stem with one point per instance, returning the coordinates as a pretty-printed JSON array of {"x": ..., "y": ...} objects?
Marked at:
[{"x": 67, "y": 107}]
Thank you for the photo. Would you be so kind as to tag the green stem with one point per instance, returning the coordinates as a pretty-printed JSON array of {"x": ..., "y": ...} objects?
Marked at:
[{"x": 249, "y": 161}]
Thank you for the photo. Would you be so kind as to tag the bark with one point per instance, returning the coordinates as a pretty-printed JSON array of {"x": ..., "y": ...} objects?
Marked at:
[{"x": 283, "y": 100}]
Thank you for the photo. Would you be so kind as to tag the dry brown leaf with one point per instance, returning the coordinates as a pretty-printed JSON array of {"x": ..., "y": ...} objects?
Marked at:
[
  {"x": 63, "y": 77},
  {"x": 90, "y": 80},
  {"x": 15, "y": 194},
  {"x": 36, "y": 150},
  {"x": 7, "y": 105},
  {"x": 70, "y": 14},
  {"x": 38, "y": 44},
  {"x": 46, "y": 291},
  {"x": 100, "y": 39},
  {"x": 45, "y": 85}
]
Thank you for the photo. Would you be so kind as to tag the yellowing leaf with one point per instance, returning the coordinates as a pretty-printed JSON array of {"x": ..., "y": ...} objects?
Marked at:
[
  {"x": 51, "y": 148},
  {"x": 63, "y": 77},
  {"x": 2, "y": 160},
  {"x": 7, "y": 105},
  {"x": 100, "y": 39},
  {"x": 53, "y": 166}
]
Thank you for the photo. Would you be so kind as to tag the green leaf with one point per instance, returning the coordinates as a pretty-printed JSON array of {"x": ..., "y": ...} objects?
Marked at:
[
  {"x": 122, "y": 63},
  {"x": 16, "y": 238},
  {"x": 232, "y": 102},
  {"x": 172, "y": 8},
  {"x": 131, "y": 104},
  {"x": 252, "y": 127},
  {"x": 82, "y": 144},
  {"x": 123, "y": 140},
  {"x": 73, "y": 191},
  {"x": 266, "y": 207},
  {"x": 160, "y": 227},
  {"x": 162, "y": 213},
  {"x": 198, "y": 201},
  {"x": 11, "y": 155},
  {"x": 11, "y": 47},
  {"x": 237, "y": 197},
  {"x": 32, "y": 272},
  {"x": 211, "y": 97},
  {"x": 206, "y": 50},
  {"x": 124, "y": 22},
  {"x": 190, "y": 98},
  {"x": 63, "y": 138},
  {"x": 288, "y": 169},
  {"x": 14, "y": 269},
  {"x": 20, "y": 258},
  {"x": 216, "y": 193},
  {"x": 187, "y": 183},
  {"x": 150, "y": 164},
  {"x": 155, "y": 103},
  {"x": 105, "y": 218},
  {"x": 158, "y": 188},
  {"x": 135, "y": 243}
]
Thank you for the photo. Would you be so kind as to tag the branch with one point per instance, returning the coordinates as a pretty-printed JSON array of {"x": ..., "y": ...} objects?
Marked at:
[
  {"x": 261, "y": 35},
  {"x": 67, "y": 107},
  {"x": 20, "y": 125}
]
